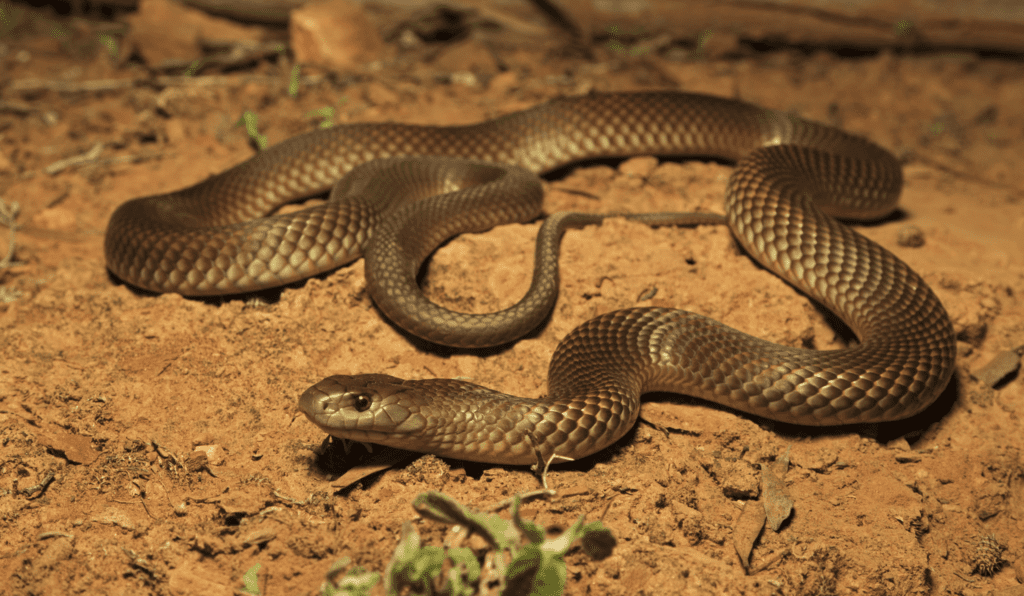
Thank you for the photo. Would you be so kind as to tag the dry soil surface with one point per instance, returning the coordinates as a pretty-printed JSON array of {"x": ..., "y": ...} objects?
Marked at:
[{"x": 106, "y": 392}]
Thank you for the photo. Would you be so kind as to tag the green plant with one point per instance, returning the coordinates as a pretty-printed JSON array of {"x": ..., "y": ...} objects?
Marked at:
[
  {"x": 110, "y": 43},
  {"x": 250, "y": 120},
  {"x": 616, "y": 43},
  {"x": 194, "y": 66},
  {"x": 10, "y": 17},
  {"x": 293, "y": 81},
  {"x": 325, "y": 114},
  {"x": 524, "y": 560},
  {"x": 903, "y": 28},
  {"x": 250, "y": 581},
  {"x": 355, "y": 582}
]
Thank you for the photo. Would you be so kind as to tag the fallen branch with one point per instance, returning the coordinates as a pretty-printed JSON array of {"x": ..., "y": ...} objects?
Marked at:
[
  {"x": 92, "y": 157},
  {"x": 92, "y": 86}
]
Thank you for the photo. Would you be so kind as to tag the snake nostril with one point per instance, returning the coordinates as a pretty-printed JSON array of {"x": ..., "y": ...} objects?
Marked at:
[{"x": 313, "y": 402}]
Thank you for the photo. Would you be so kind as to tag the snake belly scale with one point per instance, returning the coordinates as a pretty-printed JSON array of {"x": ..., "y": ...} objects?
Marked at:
[{"x": 791, "y": 178}]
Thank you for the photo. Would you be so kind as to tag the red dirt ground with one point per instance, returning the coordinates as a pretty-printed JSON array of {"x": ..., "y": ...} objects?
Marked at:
[{"x": 110, "y": 391}]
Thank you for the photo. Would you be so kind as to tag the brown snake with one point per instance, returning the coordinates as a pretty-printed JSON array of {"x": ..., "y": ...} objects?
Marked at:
[{"x": 791, "y": 177}]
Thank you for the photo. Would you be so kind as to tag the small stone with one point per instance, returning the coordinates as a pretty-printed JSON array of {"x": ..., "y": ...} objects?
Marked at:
[
  {"x": 214, "y": 453},
  {"x": 638, "y": 167},
  {"x": 196, "y": 461},
  {"x": 336, "y": 34},
  {"x": 911, "y": 236}
]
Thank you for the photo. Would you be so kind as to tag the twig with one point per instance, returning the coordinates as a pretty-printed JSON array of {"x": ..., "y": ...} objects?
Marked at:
[
  {"x": 225, "y": 55},
  {"x": 17, "y": 107},
  {"x": 37, "y": 491},
  {"x": 542, "y": 465},
  {"x": 37, "y": 85},
  {"x": 92, "y": 157},
  {"x": 89, "y": 156},
  {"x": 55, "y": 534},
  {"x": 775, "y": 558},
  {"x": 289, "y": 499},
  {"x": 524, "y": 497}
]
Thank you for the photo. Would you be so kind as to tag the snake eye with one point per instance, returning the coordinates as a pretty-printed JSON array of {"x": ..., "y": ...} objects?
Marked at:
[{"x": 362, "y": 402}]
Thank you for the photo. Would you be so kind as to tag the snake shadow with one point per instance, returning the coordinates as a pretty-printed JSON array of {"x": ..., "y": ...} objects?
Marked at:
[
  {"x": 264, "y": 296},
  {"x": 916, "y": 429}
]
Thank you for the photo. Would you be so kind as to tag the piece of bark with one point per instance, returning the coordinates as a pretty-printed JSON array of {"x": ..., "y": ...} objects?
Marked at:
[
  {"x": 1004, "y": 364},
  {"x": 993, "y": 25}
]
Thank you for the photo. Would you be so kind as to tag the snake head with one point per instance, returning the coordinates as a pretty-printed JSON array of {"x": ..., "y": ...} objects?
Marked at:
[
  {"x": 360, "y": 407},
  {"x": 446, "y": 417}
]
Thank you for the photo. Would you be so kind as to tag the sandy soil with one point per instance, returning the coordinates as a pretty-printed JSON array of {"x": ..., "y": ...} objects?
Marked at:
[{"x": 105, "y": 392}]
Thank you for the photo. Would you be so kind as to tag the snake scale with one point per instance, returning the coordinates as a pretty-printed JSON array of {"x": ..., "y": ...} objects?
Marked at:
[{"x": 791, "y": 177}]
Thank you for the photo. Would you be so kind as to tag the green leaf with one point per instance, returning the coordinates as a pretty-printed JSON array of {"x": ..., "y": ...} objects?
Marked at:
[
  {"x": 466, "y": 560},
  {"x": 194, "y": 67},
  {"x": 293, "y": 81},
  {"x": 597, "y": 541},
  {"x": 110, "y": 42},
  {"x": 534, "y": 533},
  {"x": 325, "y": 114},
  {"x": 536, "y": 572},
  {"x": 357, "y": 582},
  {"x": 250, "y": 120},
  {"x": 522, "y": 570},
  {"x": 250, "y": 581},
  {"x": 500, "y": 533},
  {"x": 412, "y": 565},
  {"x": 426, "y": 565},
  {"x": 405, "y": 553}
]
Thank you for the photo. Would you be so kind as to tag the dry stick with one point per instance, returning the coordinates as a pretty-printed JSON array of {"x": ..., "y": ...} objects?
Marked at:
[
  {"x": 17, "y": 107},
  {"x": 92, "y": 157},
  {"x": 89, "y": 156},
  {"x": 92, "y": 86},
  {"x": 224, "y": 54}
]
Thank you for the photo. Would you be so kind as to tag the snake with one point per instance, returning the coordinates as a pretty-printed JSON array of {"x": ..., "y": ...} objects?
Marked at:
[{"x": 792, "y": 179}]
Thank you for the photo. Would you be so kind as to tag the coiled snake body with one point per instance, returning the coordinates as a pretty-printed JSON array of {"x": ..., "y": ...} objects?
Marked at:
[{"x": 791, "y": 177}]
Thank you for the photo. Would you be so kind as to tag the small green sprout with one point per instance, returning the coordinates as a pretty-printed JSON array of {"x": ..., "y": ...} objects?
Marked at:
[
  {"x": 355, "y": 582},
  {"x": 617, "y": 46},
  {"x": 703, "y": 38},
  {"x": 110, "y": 42},
  {"x": 903, "y": 27},
  {"x": 525, "y": 561},
  {"x": 10, "y": 17},
  {"x": 325, "y": 114},
  {"x": 250, "y": 581},
  {"x": 59, "y": 32},
  {"x": 250, "y": 120},
  {"x": 293, "y": 81},
  {"x": 194, "y": 67}
]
